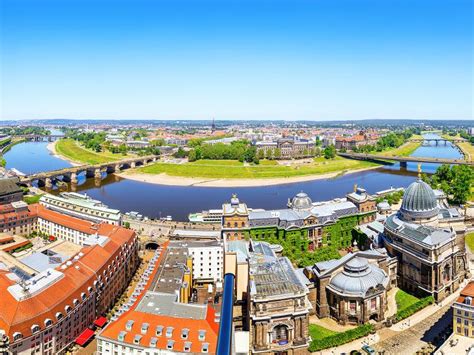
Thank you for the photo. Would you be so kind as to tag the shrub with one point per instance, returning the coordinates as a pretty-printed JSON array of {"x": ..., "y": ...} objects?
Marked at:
[
  {"x": 412, "y": 309},
  {"x": 341, "y": 338}
]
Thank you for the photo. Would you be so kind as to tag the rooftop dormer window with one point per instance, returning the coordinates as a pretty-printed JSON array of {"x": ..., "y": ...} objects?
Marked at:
[
  {"x": 137, "y": 338},
  {"x": 59, "y": 315},
  {"x": 35, "y": 328},
  {"x": 184, "y": 333},
  {"x": 68, "y": 309},
  {"x": 205, "y": 348},
  {"x": 121, "y": 336},
  {"x": 129, "y": 324},
  {"x": 153, "y": 342},
  {"x": 202, "y": 335},
  {"x": 17, "y": 336},
  {"x": 159, "y": 330},
  {"x": 145, "y": 328},
  {"x": 187, "y": 346},
  {"x": 170, "y": 344},
  {"x": 48, "y": 322},
  {"x": 169, "y": 332}
]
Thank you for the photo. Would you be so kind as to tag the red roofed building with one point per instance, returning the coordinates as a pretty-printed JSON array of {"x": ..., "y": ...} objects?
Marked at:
[
  {"x": 161, "y": 321},
  {"x": 49, "y": 310},
  {"x": 463, "y": 312}
]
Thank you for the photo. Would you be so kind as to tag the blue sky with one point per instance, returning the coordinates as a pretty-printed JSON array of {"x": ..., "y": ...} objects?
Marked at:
[{"x": 294, "y": 59}]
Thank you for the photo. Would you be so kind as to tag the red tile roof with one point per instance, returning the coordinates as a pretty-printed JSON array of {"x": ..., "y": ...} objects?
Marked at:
[
  {"x": 208, "y": 324},
  {"x": 19, "y": 316}
]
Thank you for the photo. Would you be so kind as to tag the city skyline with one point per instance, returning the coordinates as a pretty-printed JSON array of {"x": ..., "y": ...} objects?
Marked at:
[{"x": 236, "y": 60}]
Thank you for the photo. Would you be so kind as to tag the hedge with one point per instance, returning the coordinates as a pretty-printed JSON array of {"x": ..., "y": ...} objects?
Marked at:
[
  {"x": 412, "y": 309},
  {"x": 24, "y": 247},
  {"x": 341, "y": 338}
]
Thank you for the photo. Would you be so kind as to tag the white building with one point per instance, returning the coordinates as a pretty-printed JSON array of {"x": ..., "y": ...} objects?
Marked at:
[
  {"x": 208, "y": 259},
  {"x": 81, "y": 206},
  {"x": 64, "y": 227}
]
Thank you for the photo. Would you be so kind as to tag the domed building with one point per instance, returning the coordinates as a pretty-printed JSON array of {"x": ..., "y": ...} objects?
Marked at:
[
  {"x": 354, "y": 288},
  {"x": 431, "y": 259},
  {"x": 301, "y": 202}
]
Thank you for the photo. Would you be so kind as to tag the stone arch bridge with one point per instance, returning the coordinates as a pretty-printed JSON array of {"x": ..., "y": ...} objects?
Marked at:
[{"x": 47, "y": 178}]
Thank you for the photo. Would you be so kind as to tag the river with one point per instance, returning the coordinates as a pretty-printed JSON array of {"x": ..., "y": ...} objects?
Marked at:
[{"x": 178, "y": 201}]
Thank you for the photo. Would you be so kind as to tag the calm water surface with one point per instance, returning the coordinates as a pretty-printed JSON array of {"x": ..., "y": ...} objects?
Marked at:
[{"x": 178, "y": 201}]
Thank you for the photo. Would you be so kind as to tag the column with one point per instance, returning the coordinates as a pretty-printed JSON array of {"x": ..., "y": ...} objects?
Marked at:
[{"x": 73, "y": 178}]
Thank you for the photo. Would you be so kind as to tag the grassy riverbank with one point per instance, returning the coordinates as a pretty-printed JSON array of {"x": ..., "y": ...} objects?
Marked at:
[
  {"x": 405, "y": 150},
  {"x": 71, "y": 150},
  {"x": 232, "y": 169},
  {"x": 466, "y": 147}
]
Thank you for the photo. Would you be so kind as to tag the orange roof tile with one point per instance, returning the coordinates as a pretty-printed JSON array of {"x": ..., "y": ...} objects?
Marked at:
[{"x": 19, "y": 316}]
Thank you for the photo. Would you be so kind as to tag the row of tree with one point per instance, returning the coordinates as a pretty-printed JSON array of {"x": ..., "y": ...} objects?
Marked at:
[
  {"x": 389, "y": 141},
  {"x": 240, "y": 150}
]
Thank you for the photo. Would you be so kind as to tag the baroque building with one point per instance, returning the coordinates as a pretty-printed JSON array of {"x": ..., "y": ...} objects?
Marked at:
[
  {"x": 431, "y": 255},
  {"x": 353, "y": 289},
  {"x": 304, "y": 223},
  {"x": 273, "y": 298}
]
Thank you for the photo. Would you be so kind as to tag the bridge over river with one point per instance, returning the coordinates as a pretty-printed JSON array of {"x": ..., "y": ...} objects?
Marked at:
[
  {"x": 404, "y": 160},
  {"x": 438, "y": 140},
  {"x": 91, "y": 171}
]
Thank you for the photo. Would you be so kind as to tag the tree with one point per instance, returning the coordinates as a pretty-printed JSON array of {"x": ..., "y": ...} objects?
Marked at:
[
  {"x": 277, "y": 153},
  {"x": 181, "y": 153},
  {"x": 192, "y": 155},
  {"x": 455, "y": 181},
  {"x": 330, "y": 152}
]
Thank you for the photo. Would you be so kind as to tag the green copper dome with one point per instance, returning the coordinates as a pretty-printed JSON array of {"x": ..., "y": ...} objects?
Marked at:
[{"x": 419, "y": 201}]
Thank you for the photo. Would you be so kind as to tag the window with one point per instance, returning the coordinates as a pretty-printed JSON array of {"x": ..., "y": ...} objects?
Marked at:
[{"x": 35, "y": 328}]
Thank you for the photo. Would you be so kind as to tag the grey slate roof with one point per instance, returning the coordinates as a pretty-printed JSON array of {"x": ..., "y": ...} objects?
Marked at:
[
  {"x": 421, "y": 234},
  {"x": 419, "y": 200}
]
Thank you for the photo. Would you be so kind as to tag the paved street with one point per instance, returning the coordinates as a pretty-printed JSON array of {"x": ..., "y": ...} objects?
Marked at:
[{"x": 411, "y": 340}]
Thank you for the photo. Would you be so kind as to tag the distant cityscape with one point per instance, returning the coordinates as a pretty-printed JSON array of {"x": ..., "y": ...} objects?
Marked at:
[{"x": 355, "y": 273}]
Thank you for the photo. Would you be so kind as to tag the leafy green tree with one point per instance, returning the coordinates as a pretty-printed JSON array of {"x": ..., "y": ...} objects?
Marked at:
[{"x": 330, "y": 152}]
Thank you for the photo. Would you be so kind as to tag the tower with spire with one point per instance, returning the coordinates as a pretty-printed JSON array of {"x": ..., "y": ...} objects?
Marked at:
[{"x": 213, "y": 126}]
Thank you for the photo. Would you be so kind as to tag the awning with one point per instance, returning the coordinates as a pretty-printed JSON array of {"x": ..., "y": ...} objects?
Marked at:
[
  {"x": 84, "y": 337},
  {"x": 100, "y": 322}
]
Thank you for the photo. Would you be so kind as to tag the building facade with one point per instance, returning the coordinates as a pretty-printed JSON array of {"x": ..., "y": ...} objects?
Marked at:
[
  {"x": 353, "y": 289},
  {"x": 81, "y": 206},
  {"x": 286, "y": 148},
  {"x": 310, "y": 225},
  {"x": 47, "y": 311},
  {"x": 272, "y": 298},
  {"x": 431, "y": 260},
  {"x": 463, "y": 312},
  {"x": 10, "y": 191}
]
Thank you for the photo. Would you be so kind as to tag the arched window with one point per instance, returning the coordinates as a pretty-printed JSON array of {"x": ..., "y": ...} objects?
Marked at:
[
  {"x": 447, "y": 273},
  {"x": 35, "y": 328},
  {"x": 17, "y": 336},
  {"x": 280, "y": 334},
  {"x": 48, "y": 322},
  {"x": 68, "y": 308},
  {"x": 83, "y": 296},
  {"x": 59, "y": 315}
]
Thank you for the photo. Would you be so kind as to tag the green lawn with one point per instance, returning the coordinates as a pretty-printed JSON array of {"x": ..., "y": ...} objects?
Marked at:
[
  {"x": 71, "y": 149},
  {"x": 318, "y": 332},
  {"x": 234, "y": 169},
  {"x": 405, "y": 149},
  {"x": 470, "y": 241},
  {"x": 404, "y": 300}
]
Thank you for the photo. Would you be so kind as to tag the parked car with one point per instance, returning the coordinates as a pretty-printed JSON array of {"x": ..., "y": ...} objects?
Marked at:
[{"x": 368, "y": 349}]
